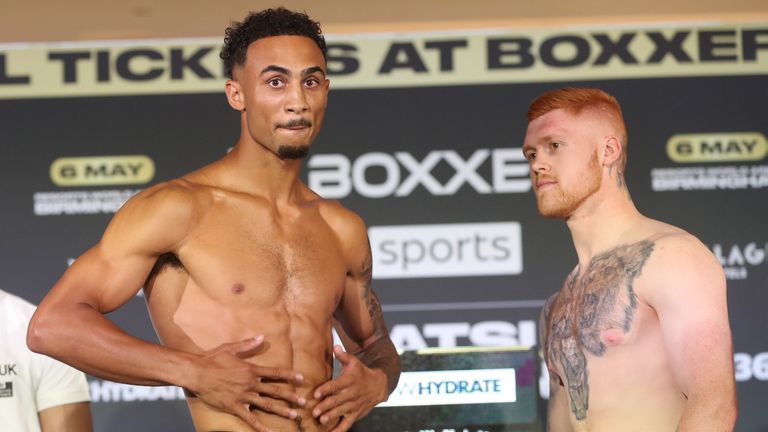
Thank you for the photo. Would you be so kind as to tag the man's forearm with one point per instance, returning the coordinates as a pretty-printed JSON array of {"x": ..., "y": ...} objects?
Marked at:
[
  {"x": 104, "y": 350},
  {"x": 381, "y": 354}
]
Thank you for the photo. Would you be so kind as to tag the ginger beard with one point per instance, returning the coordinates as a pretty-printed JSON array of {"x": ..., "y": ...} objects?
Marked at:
[{"x": 560, "y": 203}]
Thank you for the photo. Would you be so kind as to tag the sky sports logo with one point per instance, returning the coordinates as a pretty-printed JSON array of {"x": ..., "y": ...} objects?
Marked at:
[
  {"x": 448, "y": 250},
  {"x": 456, "y": 387}
]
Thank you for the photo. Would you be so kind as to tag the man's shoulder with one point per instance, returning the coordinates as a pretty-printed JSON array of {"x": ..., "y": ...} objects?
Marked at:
[
  {"x": 682, "y": 276},
  {"x": 173, "y": 195},
  {"x": 161, "y": 214},
  {"x": 661, "y": 236},
  {"x": 679, "y": 258},
  {"x": 336, "y": 214},
  {"x": 669, "y": 239},
  {"x": 180, "y": 189},
  {"x": 348, "y": 226}
]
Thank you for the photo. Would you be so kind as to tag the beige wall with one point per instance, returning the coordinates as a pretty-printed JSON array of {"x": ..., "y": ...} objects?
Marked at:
[{"x": 71, "y": 20}]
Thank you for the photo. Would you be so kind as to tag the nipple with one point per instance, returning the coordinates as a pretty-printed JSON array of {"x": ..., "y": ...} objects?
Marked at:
[
  {"x": 612, "y": 337},
  {"x": 238, "y": 288}
]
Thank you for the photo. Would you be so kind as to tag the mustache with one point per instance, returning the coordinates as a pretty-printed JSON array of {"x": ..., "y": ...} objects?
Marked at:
[{"x": 299, "y": 122}]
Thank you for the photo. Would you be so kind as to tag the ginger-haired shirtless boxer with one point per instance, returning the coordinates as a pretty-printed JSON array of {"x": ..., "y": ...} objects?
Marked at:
[{"x": 638, "y": 337}]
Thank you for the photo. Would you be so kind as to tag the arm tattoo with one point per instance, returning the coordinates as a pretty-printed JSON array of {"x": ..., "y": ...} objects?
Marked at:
[
  {"x": 381, "y": 353},
  {"x": 377, "y": 316},
  {"x": 366, "y": 275},
  {"x": 602, "y": 298}
]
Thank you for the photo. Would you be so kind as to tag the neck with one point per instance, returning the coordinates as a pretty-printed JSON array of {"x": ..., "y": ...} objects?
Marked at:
[
  {"x": 602, "y": 221},
  {"x": 253, "y": 169}
]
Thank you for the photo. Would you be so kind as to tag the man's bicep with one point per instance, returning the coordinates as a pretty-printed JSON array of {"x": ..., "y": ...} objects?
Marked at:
[
  {"x": 359, "y": 313},
  {"x": 100, "y": 282},
  {"x": 114, "y": 270},
  {"x": 104, "y": 280},
  {"x": 692, "y": 309}
]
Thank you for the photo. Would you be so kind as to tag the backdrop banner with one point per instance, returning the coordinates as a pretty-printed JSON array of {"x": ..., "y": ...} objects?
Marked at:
[{"x": 423, "y": 139}]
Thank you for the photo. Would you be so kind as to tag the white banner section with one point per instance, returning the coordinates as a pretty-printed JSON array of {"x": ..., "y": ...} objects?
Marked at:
[
  {"x": 446, "y": 250},
  {"x": 456, "y": 387}
]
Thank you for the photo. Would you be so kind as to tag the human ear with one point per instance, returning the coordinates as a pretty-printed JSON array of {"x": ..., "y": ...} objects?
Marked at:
[
  {"x": 611, "y": 150},
  {"x": 234, "y": 95},
  {"x": 327, "y": 85}
]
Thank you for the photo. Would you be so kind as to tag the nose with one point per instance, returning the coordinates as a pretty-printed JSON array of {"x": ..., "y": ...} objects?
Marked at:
[
  {"x": 296, "y": 101},
  {"x": 539, "y": 165}
]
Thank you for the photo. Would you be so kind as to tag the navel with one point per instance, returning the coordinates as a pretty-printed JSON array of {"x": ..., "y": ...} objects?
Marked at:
[{"x": 238, "y": 288}]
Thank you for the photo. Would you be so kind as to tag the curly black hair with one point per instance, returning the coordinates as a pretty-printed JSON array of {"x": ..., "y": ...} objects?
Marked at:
[{"x": 266, "y": 23}]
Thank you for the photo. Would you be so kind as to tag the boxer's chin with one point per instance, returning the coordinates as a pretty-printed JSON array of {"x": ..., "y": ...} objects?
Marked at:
[{"x": 292, "y": 152}]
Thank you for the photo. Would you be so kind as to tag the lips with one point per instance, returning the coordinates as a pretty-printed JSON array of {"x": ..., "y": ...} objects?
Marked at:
[
  {"x": 293, "y": 130},
  {"x": 544, "y": 183},
  {"x": 296, "y": 124}
]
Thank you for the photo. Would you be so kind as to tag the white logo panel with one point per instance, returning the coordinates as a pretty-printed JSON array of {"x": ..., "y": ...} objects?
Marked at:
[
  {"x": 456, "y": 387},
  {"x": 448, "y": 250}
]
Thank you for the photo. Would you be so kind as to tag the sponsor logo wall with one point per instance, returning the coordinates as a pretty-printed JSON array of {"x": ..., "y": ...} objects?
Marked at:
[{"x": 423, "y": 139}]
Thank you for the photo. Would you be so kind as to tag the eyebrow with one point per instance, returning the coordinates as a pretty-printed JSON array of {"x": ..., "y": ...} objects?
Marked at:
[
  {"x": 284, "y": 71},
  {"x": 537, "y": 143},
  {"x": 543, "y": 140}
]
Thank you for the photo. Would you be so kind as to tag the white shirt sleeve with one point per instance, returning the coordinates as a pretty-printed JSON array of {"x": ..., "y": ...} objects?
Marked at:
[{"x": 57, "y": 383}]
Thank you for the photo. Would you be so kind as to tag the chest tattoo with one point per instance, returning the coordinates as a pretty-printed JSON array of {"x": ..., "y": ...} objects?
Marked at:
[{"x": 592, "y": 301}]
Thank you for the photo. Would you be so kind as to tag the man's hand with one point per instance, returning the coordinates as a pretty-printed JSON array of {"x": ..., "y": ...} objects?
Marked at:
[
  {"x": 233, "y": 385},
  {"x": 352, "y": 394}
]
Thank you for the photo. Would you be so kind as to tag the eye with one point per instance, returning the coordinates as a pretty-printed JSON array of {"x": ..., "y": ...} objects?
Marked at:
[
  {"x": 311, "y": 82},
  {"x": 555, "y": 145},
  {"x": 531, "y": 156},
  {"x": 275, "y": 82}
]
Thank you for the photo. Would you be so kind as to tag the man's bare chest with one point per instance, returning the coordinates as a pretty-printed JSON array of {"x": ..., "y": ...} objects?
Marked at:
[
  {"x": 259, "y": 258},
  {"x": 597, "y": 306}
]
